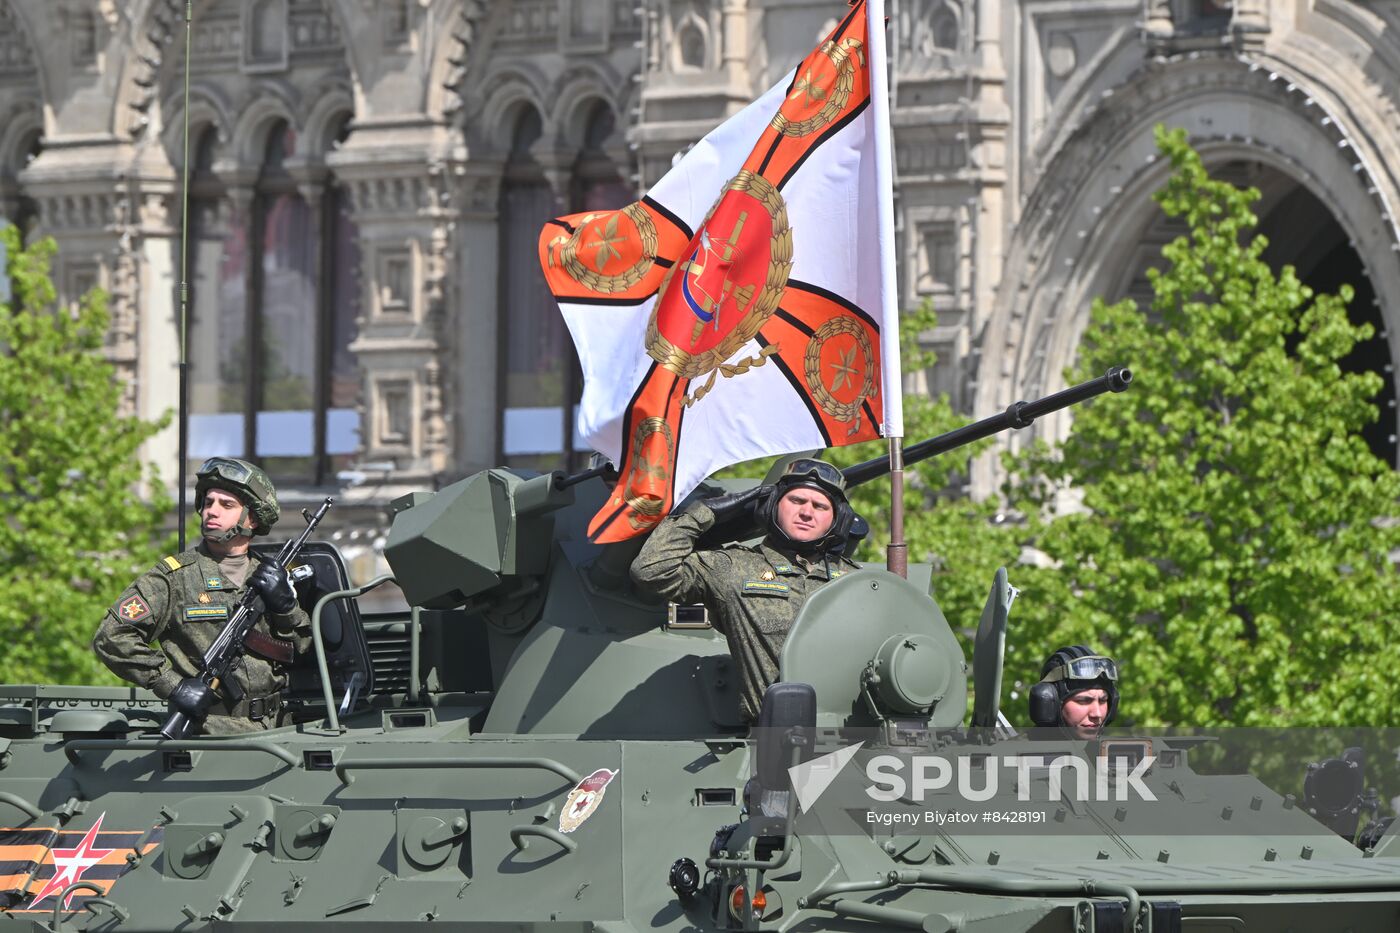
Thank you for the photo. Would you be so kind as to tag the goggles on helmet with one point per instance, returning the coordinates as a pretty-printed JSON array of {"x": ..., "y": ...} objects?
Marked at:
[
  {"x": 230, "y": 470},
  {"x": 819, "y": 470},
  {"x": 1088, "y": 668}
]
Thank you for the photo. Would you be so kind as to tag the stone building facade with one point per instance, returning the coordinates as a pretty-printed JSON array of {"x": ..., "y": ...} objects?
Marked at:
[{"x": 368, "y": 179}]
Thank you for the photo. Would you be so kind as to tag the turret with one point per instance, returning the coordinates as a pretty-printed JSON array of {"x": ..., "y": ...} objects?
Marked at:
[{"x": 575, "y": 650}]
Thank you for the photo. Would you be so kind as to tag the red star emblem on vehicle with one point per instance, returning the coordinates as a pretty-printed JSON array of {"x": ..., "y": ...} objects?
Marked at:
[{"x": 70, "y": 864}]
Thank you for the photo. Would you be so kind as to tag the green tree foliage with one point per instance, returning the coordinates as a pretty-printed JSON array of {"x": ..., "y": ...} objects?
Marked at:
[
  {"x": 965, "y": 539},
  {"x": 1233, "y": 546},
  {"x": 76, "y": 529}
]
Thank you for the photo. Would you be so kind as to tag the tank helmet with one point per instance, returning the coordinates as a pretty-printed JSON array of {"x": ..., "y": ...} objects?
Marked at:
[
  {"x": 809, "y": 473},
  {"x": 246, "y": 481},
  {"x": 1070, "y": 670}
]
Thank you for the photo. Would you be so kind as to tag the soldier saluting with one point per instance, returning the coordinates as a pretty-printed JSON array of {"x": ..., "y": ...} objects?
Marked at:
[
  {"x": 186, "y": 599},
  {"x": 753, "y": 593}
]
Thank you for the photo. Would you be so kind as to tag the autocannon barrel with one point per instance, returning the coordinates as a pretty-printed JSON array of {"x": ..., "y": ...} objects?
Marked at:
[{"x": 1017, "y": 415}]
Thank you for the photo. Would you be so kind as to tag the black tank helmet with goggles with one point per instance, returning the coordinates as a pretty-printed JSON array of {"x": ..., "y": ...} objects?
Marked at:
[
  {"x": 821, "y": 476},
  {"x": 249, "y": 484},
  {"x": 1068, "y": 671}
]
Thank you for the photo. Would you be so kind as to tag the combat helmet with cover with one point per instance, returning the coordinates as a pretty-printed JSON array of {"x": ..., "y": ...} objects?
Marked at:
[
  {"x": 822, "y": 477},
  {"x": 246, "y": 481},
  {"x": 1070, "y": 670}
]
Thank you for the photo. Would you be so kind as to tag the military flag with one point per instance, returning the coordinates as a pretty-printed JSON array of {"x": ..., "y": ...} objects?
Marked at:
[{"x": 738, "y": 309}]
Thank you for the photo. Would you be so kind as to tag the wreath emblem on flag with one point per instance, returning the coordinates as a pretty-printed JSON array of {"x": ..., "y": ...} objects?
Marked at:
[
  {"x": 839, "y": 367},
  {"x": 826, "y": 85},
  {"x": 735, "y": 268},
  {"x": 610, "y": 251}
]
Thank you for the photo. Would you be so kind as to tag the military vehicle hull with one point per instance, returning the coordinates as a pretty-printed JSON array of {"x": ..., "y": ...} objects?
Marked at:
[
  {"x": 537, "y": 745},
  {"x": 413, "y": 815}
]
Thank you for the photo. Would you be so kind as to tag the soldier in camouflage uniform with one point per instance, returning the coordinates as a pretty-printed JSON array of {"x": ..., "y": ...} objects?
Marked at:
[
  {"x": 753, "y": 593},
  {"x": 186, "y": 599}
]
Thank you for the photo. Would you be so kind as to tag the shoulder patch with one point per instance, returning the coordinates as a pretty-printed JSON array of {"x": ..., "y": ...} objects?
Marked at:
[{"x": 133, "y": 608}]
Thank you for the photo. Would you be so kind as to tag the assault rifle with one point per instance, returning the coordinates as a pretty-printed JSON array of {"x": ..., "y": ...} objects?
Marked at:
[{"x": 232, "y": 642}]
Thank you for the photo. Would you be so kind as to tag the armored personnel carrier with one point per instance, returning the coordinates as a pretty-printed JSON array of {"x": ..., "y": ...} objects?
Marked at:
[{"x": 536, "y": 746}]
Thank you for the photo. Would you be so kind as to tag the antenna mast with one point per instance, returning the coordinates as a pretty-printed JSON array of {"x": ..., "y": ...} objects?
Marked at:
[{"x": 184, "y": 372}]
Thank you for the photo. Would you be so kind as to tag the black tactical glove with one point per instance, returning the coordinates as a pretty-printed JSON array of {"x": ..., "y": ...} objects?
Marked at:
[
  {"x": 193, "y": 697},
  {"x": 736, "y": 504},
  {"x": 274, "y": 587}
]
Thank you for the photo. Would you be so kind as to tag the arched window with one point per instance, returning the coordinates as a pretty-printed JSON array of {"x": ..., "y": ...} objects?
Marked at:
[
  {"x": 690, "y": 40},
  {"x": 218, "y": 312},
  {"x": 277, "y": 276},
  {"x": 536, "y": 353},
  {"x": 541, "y": 383},
  {"x": 282, "y": 371},
  {"x": 597, "y": 183},
  {"x": 946, "y": 28}
]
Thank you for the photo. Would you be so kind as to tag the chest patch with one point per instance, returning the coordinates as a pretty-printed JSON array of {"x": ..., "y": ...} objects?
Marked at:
[
  {"x": 205, "y": 613},
  {"x": 766, "y": 588},
  {"x": 215, "y": 583}
]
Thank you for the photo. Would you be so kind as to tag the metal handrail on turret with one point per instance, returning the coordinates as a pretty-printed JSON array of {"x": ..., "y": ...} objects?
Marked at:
[{"x": 332, "y": 714}]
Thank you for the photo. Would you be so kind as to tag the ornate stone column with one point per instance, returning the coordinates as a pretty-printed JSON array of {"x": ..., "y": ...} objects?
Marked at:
[
  {"x": 734, "y": 44},
  {"x": 403, "y": 205},
  {"x": 477, "y": 321},
  {"x": 120, "y": 233}
]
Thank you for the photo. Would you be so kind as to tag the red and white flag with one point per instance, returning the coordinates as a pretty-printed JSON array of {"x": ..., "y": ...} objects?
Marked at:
[{"x": 739, "y": 309}]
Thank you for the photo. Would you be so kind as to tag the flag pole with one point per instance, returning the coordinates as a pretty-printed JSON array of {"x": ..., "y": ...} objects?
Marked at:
[{"x": 892, "y": 383}]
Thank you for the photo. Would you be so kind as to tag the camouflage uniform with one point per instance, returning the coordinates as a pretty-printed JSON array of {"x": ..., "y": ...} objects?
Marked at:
[
  {"x": 752, "y": 593},
  {"x": 184, "y": 602}
]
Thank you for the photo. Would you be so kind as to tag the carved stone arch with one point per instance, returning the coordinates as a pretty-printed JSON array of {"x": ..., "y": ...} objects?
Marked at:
[
  {"x": 578, "y": 91},
  {"x": 511, "y": 88},
  {"x": 326, "y": 106},
  {"x": 16, "y": 28},
  {"x": 1090, "y": 81},
  {"x": 19, "y": 122},
  {"x": 274, "y": 102},
  {"x": 454, "y": 55},
  {"x": 1091, "y": 206},
  {"x": 209, "y": 106},
  {"x": 579, "y": 121},
  {"x": 151, "y": 69}
]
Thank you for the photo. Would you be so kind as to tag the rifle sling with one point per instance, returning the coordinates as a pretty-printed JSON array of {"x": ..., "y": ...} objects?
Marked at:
[{"x": 268, "y": 647}]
